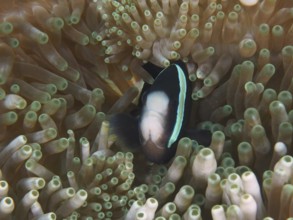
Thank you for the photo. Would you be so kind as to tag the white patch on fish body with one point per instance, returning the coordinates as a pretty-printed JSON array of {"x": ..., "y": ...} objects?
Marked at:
[{"x": 154, "y": 113}]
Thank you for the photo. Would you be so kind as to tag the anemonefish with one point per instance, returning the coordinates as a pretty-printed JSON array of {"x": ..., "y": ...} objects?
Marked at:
[{"x": 165, "y": 109}]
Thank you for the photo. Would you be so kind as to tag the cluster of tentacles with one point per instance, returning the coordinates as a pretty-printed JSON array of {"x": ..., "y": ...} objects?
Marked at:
[{"x": 66, "y": 65}]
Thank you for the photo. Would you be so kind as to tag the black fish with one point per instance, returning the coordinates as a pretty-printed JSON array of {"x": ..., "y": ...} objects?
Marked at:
[{"x": 165, "y": 108}]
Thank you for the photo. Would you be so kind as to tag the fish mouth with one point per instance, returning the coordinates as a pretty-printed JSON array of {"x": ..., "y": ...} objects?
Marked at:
[{"x": 157, "y": 153}]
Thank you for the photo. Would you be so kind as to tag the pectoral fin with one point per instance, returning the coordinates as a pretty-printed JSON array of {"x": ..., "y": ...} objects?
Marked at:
[
  {"x": 125, "y": 128},
  {"x": 203, "y": 137}
]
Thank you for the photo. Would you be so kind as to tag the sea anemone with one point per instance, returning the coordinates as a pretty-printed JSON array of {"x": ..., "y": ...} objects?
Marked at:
[{"x": 67, "y": 65}]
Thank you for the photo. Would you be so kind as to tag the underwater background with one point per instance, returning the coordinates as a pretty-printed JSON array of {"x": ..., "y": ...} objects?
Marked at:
[{"x": 66, "y": 65}]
